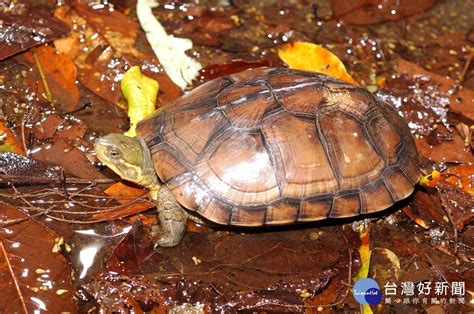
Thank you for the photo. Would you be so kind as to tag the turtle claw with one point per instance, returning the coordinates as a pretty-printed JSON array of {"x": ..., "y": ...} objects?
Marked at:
[
  {"x": 361, "y": 225},
  {"x": 167, "y": 241}
]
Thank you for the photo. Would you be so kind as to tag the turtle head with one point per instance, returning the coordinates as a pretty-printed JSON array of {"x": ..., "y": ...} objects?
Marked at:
[{"x": 127, "y": 156}]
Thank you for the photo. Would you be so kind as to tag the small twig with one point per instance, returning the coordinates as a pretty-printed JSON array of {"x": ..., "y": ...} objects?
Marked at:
[
  {"x": 12, "y": 179},
  {"x": 404, "y": 268},
  {"x": 435, "y": 267},
  {"x": 216, "y": 290},
  {"x": 49, "y": 96},
  {"x": 467, "y": 64},
  {"x": 10, "y": 222},
  {"x": 20, "y": 196},
  {"x": 24, "y": 120},
  {"x": 349, "y": 286},
  {"x": 62, "y": 177},
  {"x": 455, "y": 230}
]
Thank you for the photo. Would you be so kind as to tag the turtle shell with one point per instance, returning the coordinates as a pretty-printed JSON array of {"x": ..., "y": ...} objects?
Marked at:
[{"x": 272, "y": 146}]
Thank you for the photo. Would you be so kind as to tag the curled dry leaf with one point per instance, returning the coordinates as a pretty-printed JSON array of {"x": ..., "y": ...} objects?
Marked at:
[
  {"x": 466, "y": 133},
  {"x": 311, "y": 57}
]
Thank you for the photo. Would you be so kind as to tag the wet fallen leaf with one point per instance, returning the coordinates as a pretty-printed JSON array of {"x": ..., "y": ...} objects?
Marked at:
[
  {"x": 243, "y": 270},
  {"x": 23, "y": 27},
  {"x": 426, "y": 210},
  {"x": 8, "y": 141},
  {"x": 48, "y": 127},
  {"x": 124, "y": 192},
  {"x": 216, "y": 70},
  {"x": 125, "y": 195},
  {"x": 59, "y": 76},
  {"x": 460, "y": 176},
  {"x": 363, "y": 12},
  {"x": 458, "y": 204},
  {"x": 120, "y": 293},
  {"x": 459, "y": 102},
  {"x": 311, "y": 57},
  {"x": 210, "y": 28},
  {"x": 31, "y": 273},
  {"x": 18, "y": 165},
  {"x": 140, "y": 92},
  {"x": 424, "y": 100},
  {"x": 416, "y": 219},
  {"x": 109, "y": 51},
  {"x": 71, "y": 158}
]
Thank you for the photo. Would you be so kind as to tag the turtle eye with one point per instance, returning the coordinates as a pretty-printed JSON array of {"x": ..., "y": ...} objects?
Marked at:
[{"x": 114, "y": 153}]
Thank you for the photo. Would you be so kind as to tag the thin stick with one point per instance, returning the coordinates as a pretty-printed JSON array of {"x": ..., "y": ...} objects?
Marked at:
[
  {"x": 49, "y": 96},
  {"x": 467, "y": 64},
  {"x": 12, "y": 179},
  {"x": 10, "y": 222}
]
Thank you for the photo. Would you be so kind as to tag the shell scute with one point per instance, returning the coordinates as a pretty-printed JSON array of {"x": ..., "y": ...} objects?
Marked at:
[{"x": 274, "y": 146}]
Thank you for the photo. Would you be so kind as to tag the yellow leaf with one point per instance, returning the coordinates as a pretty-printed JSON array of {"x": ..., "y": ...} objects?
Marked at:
[
  {"x": 8, "y": 142},
  {"x": 314, "y": 58},
  {"x": 365, "y": 253},
  {"x": 431, "y": 179},
  {"x": 140, "y": 91}
]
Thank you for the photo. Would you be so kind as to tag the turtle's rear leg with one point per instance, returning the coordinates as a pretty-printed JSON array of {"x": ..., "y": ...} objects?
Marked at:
[{"x": 172, "y": 218}]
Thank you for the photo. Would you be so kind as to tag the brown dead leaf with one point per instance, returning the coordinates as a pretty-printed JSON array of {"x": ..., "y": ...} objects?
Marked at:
[
  {"x": 125, "y": 195},
  {"x": 23, "y": 27},
  {"x": 460, "y": 102},
  {"x": 60, "y": 76},
  {"x": 446, "y": 151},
  {"x": 209, "y": 28},
  {"x": 458, "y": 204},
  {"x": 364, "y": 12},
  {"x": 48, "y": 127},
  {"x": 240, "y": 269},
  {"x": 69, "y": 157},
  {"x": 234, "y": 66},
  {"x": 109, "y": 51},
  {"x": 33, "y": 277},
  {"x": 423, "y": 99}
]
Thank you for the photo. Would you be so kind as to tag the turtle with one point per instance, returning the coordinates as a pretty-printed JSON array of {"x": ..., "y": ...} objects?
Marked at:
[{"x": 264, "y": 147}]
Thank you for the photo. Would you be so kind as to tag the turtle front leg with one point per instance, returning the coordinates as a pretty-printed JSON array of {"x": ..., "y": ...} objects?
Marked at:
[{"x": 172, "y": 218}]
